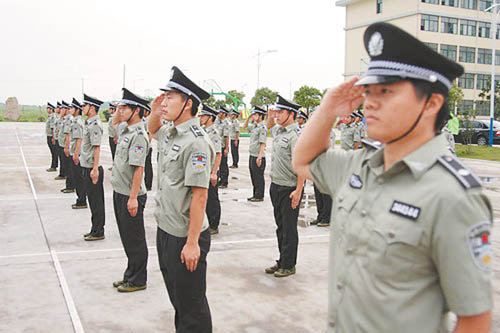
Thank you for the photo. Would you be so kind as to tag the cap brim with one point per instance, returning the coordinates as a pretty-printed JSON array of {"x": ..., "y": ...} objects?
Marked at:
[{"x": 377, "y": 79}]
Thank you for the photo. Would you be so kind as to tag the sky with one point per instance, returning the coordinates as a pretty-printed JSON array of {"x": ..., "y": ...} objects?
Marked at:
[{"x": 54, "y": 49}]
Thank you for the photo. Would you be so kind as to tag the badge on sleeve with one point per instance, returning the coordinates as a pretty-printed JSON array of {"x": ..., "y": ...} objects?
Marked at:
[
  {"x": 478, "y": 240},
  {"x": 138, "y": 149},
  {"x": 199, "y": 162}
]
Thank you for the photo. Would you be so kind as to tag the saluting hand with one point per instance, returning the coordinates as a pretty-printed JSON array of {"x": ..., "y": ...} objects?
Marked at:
[
  {"x": 295, "y": 196},
  {"x": 132, "y": 206},
  {"x": 190, "y": 255},
  {"x": 156, "y": 104},
  {"x": 343, "y": 99}
]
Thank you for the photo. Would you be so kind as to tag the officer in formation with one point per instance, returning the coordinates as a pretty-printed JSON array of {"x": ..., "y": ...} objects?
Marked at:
[
  {"x": 207, "y": 118},
  {"x": 59, "y": 137},
  {"x": 302, "y": 118},
  {"x": 349, "y": 132},
  {"x": 113, "y": 138},
  {"x": 286, "y": 188},
  {"x": 49, "y": 128},
  {"x": 129, "y": 189},
  {"x": 148, "y": 168},
  {"x": 234, "y": 136},
  {"x": 76, "y": 136},
  {"x": 93, "y": 173},
  {"x": 223, "y": 128},
  {"x": 411, "y": 237},
  {"x": 64, "y": 139},
  {"x": 183, "y": 236},
  {"x": 360, "y": 125},
  {"x": 257, "y": 152}
]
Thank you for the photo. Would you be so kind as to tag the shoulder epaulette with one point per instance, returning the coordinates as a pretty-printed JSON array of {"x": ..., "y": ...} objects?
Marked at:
[
  {"x": 196, "y": 131},
  {"x": 298, "y": 130},
  {"x": 139, "y": 130},
  {"x": 372, "y": 144},
  {"x": 466, "y": 177}
]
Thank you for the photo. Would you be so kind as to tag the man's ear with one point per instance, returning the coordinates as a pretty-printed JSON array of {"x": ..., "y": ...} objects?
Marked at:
[{"x": 434, "y": 104}]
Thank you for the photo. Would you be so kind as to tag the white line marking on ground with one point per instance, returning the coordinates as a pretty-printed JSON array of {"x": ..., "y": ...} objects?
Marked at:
[
  {"x": 75, "y": 318},
  {"x": 26, "y": 166},
  {"x": 25, "y": 255}
]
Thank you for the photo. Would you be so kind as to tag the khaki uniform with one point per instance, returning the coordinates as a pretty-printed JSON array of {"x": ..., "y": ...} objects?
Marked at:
[
  {"x": 76, "y": 133},
  {"x": 408, "y": 244},
  {"x": 350, "y": 135},
  {"x": 214, "y": 136},
  {"x": 48, "y": 128},
  {"x": 450, "y": 138},
  {"x": 333, "y": 138},
  {"x": 92, "y": 135},
  {"x": 284, "y": 139},
  {"x": 188, "y": 157},
  {"x": 65, "y": 129},
  {"x": 58, "y": 127},
  {"x": 213, "y": 208},
  {"x": 258, "y": 135},
  {"x": 234, "y": 128},
  {"x": 361, "y": 130}
]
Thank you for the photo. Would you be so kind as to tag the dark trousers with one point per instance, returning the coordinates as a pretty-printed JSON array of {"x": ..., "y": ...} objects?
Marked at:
[
  {"x": 70, "y": 180},
  {"x": 80, "y": 185},
  {"x": 112, "y": 145},
  {"x": 286, "y": 223},
  {"x": 187, "y": 290},
  {"x": 213, "y": 206},
  {"x": 223, "y": 170},
  {"x": 235, "y": 153},
  {"x": 323, "y": 205},
  {"x": 133, "y": 236},
  {"x": 257, "y": 176},
  {"x": 95, "y": 194},
  {"x": 53, "y": 153},
  {"x": 62, "y": 164},
  {"x": 148, "y": 171}
]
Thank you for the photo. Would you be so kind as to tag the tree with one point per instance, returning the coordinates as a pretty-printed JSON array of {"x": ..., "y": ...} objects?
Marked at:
[
  {"x": 237, "y": 94},
  {"x": 308, "y": 97},
  {"x": 486, "y": 93},
  {"x": 263, "y": 97},
  {"x": 215, "y": 103},
  {"x": 455, "y": 95}
]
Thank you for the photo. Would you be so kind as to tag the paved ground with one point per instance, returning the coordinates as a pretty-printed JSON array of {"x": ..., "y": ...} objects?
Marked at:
[{"x": 53, "y": 281}]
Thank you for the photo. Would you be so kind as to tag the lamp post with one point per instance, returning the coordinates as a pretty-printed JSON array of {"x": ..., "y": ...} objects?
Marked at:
[
  {"x": 493, "y": 66},
  {"x": 258, "y": 55}
]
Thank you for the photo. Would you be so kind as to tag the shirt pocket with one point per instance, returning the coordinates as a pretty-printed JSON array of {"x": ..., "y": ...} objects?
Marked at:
[
  {"x": 122, "y": 148},
  {"x": 172, "y": 167}
]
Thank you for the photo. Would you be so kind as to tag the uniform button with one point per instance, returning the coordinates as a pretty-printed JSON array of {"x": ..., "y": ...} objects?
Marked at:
[
  {"x": 341, "y": 199},
  {"x": 332, "y": 323},
  {"x": 380, "y": 181},
  {"x": 391, "y": 234},
  {"x": 339, "y": 286},
  {"x": 363, "y": 213},
  {"x": 349, "y": 251}
]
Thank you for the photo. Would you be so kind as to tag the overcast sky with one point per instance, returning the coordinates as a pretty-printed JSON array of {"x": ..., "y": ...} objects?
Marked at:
[{"x": 49, "y": 46}]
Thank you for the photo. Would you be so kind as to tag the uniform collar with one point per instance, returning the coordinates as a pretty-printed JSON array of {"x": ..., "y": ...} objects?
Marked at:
[
  {"x": 209, "y": 127},
  {"x": 293, "y": 126},
  {"x": 134, "y": 126},
  {"x": 92, "y": 118},
  {"x": 184, "y": 128}
]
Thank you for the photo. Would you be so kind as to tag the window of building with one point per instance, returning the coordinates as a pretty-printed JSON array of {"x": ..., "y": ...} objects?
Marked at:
[
  {"x": 484, "y": 56},
  {"x": 497, "y": 57},
  {"x": 452, "y": 3},
  {"x": 484, "y": 4},
  {"x": 433, "y": 46},
  {"x": 466, "y": 81},
  {"x": 469, "y": 4},
  {"x": 465, "y": 105},
  {"x": 379, "y": 6},
  {"x": 498, "y": 31},
  {"x": 429, "y": 23},
  {"x": 434, "y": 2},
  {"x": 449, "y": 25},
  {"x": 482, "y": 108},
  {"x": 483, "y": 81},
  {"x": 468, "y": 28},
  {"x": 449, "y": 51},
  {"x": 484, "y": 29},
  {"x": 467, "y": 54}
]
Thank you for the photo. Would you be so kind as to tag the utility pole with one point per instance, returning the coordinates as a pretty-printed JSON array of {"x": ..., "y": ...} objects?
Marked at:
[
  {"x": 494, "y": 19},
  {"x": 258, "y": 55}
]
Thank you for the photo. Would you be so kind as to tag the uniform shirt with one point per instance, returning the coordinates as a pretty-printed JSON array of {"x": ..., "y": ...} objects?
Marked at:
[
  {"x": 131, "y": 151},
  {"x": 48, "y": 129},
  {"x": 76, "y": 132},
  {"x": 53, "y": 119},
  {"x": 58, "y": 127},
  {"x": 111, "y": 129},
  {"x": 92, "y": 135},
  {"x": 361, "y": 130},
  {"x": 214, "y": 136},
  {"x": 258, "y": 135},
  {"x": 234, "y": 128},
  {"x": 333, "y": 137},
  {"x": 407, "y": 244},
  {"x": 187, "y": 161},
  {"x": 450, "y": 138},
  {"x": 66, "y": 128},
  {"x": 223, "y": 129},
  {"x": 161, "y": 146},
  {"x": 284, "y": 139},
  {"x": 350, "y": 135}
]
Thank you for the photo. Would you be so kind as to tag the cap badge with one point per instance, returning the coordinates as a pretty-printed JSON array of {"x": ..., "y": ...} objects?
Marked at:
[{"x": 376, "y": 44}]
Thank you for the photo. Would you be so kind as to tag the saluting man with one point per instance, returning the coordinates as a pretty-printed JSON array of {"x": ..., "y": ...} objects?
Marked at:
[
  {"x": 350, "y": 139},
  {"x": 49, "y": 127},
  {"x": 113, "y": 138},
  {"x": 286, "y": 188},
  {"x": 257, "y": 152},
  {"x": 93, "y": 173},
  {"x": 129, "y": 190},
  {"x": 183, "y": 238},
  {"x": 148, "y": 168},
  {"x": 75, "y": 147},
  {"x": 234, "y": 136},
  {"x": 207, "y": 118},
  {"x": 411, "y": 236}
]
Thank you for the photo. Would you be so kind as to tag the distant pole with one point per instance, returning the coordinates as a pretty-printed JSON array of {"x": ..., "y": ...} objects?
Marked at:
[
  {"x": 123, "y": 75},
  {"x": 494, "y": 19}
]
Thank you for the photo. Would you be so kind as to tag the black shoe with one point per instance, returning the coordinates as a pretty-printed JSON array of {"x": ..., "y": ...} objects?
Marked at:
[
  {"x": 129, "y": 287},
  {"x": 51, "y": 169},
  {"x": 87, "y": 234},
  {"x": 250, "y": 199},
  {"x": 323, "y": 223},
  {"x": 214, "y": 231},
  {"x": 91, "y": 237},
  {"x": 148, "y": 189},
  {"x": 59, "y": 177},
  {"x": 116, "y": 284},
  {"x": 79, "y": 206},
  {"x": 283, "y": 272},
  {"x": 233, "y": 167},
  {"x": 223, "y": 186},
  {"x": 271, "y": 270},
  {"x": 256, "y": 200},
  {"x": 315, "y": 222},
  {"x": 68, "y": 190}
]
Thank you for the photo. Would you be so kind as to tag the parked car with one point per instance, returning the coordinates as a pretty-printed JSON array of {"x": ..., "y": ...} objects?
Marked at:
[{"x": 481, "y": 132}]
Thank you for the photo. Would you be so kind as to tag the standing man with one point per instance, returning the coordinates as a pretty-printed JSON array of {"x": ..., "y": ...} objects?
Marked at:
[
  {"x": 286, "y": 188},
  {"x": 302, "y": 118},
  {"x": 68, "y": 123},
  {"x": 412, "y": 224},
  {"x": 148, "y": 169},
  {"x": 257, "y": 152},
  {"x": 113, "y": 138},
  {"x": 59, "y": 128},
  {"x": 76, "y": 144},
  {"x": 183, "y": 238},
  {"x": 207, "y": 118},
  {"x": 129, "y": 190},
  {"x": 49, "y": 127},
  {"x": 234, "y": 136},
  {"x": 350, "y": 139},
  {"x": 223, "y": 129},
  {"x": 93, "y": 173}
]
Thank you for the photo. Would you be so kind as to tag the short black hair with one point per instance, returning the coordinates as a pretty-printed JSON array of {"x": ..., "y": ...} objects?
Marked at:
[
  {"x": 141, "y": 109},
  {"x": 424, "y": 89}
]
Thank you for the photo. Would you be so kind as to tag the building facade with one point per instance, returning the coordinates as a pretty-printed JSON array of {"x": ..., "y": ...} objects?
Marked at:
[{"x": 458, "y": 29}]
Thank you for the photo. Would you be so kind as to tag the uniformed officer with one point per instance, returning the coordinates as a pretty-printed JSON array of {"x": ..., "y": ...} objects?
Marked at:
[
  {"x": 75, "y": 147},
  {"x": 129, "y": 190},
  {"x": 207, "y": 118},
  {"x": 93, "y": 173},
  {"x": 350, "y": 139},
  {"x": 360, "y": 125},
  {"x": 286, "y": 188},
  {"x": 257, "y": 152},
  {"x": 234, "y": 136},
  {"x": 411, "y": 236},
  {"x": 183, "y": 238},
  {"x": 49, "y": 126},
  {"x": 302, "y": 118},
  {"x": 113, "y": 138},
  {"x": 67, "y": 126},
  {"x": 223, "y": 128},
  {"x": 59, "y": 137},
  {"x": 148, "y": 168}
]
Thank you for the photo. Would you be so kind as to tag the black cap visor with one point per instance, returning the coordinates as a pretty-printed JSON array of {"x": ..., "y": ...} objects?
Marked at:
[{"x": 378, "y": 79}]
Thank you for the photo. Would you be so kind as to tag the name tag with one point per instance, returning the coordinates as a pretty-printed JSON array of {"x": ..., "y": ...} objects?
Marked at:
[
  {"x": 285, "y": 140},
  {"x": 176, "y": 148},
  {"x": 405, "y": 210}
]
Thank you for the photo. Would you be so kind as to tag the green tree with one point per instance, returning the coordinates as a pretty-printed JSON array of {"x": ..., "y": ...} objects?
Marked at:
[
  {"x": 455, "y": 95},
  {"x": 486, "y": 93},
  {"x": 308, "y": 97},
  {"x": 263, "y": 97},
  {"x": 237, "y": 94},
  {"x": 215, "y": 103}
]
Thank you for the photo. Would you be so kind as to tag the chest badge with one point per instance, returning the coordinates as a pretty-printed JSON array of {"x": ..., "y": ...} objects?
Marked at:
[
  {"x": 125, "y": 139},
  {"x": 176, "y": 147},
  {"x": 405, "y": 210},
  {"x": 355, "y": 182}
]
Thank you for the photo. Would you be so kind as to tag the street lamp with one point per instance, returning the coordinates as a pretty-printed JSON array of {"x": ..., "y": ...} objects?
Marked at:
[
  {"x": 493, "y": 66},
  {"x": 258, "y": 55}
]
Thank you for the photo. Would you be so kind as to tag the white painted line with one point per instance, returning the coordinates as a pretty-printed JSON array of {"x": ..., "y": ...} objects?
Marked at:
[
  {"x": 26, "y": 166},
  {"x": 25, "y": 255},
  {"x": 75, "y": 318}
]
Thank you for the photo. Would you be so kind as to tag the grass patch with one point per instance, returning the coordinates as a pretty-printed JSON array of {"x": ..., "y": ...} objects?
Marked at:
[{"x": 479, "y": 153}]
